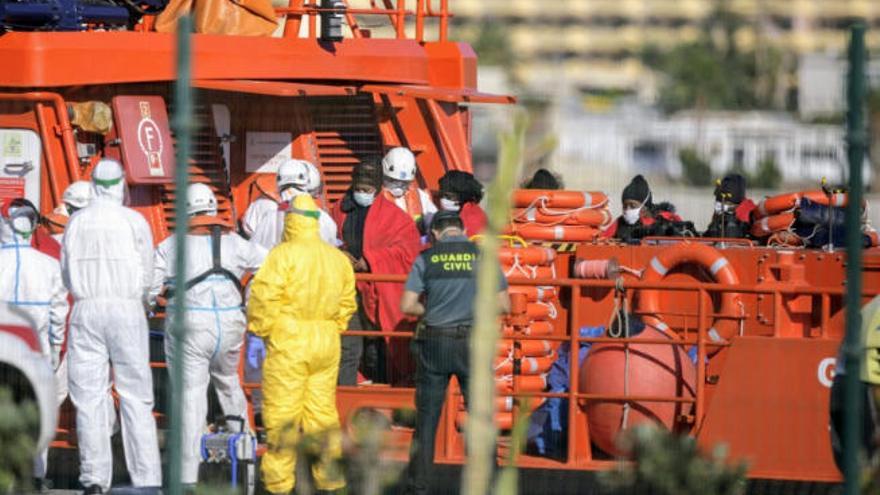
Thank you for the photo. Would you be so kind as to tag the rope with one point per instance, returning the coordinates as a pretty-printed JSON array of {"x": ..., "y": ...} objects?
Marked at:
[{"x": 624, "y": 420}]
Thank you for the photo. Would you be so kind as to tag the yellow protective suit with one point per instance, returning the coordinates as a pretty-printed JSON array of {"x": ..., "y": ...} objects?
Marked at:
[{"x": 301, "y": 300}]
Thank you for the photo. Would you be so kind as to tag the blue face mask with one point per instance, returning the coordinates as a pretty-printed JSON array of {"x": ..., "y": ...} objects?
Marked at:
[{"x": 363, "y": 198}]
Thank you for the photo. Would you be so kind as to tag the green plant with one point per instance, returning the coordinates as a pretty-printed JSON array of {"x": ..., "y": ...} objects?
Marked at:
[
  {"x": 696, "y": 171},
  {"x": 664, "y": 463},
  {"x": 767, "y": 176},
  {"x": 18, "y": 425}
]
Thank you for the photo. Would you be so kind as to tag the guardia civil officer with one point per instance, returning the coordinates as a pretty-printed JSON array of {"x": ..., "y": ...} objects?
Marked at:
[{"x": 446, "y": 275}]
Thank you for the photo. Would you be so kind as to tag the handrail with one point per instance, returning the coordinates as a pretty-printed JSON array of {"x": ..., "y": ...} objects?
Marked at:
[{"x": 398, "y": 14}]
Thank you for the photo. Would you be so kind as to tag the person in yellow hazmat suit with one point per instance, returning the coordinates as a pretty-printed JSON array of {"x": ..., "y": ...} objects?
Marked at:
[{"x": 301, "y": 300}]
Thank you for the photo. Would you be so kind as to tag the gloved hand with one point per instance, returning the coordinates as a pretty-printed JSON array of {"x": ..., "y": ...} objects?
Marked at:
[
  {"x": 56, "y": 356},
  {"x": 256, "y": 351}
]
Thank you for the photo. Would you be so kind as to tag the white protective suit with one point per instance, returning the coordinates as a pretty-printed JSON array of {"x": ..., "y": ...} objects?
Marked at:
[
  {"x": 33, "y": 296},
  {"x": 215, "y": 323},
  {"x": 263, "y": 222},
  {"x": 107, "y": 264}
]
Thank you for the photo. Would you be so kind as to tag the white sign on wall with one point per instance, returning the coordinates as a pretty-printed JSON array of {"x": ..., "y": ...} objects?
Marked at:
[{"x": 264, "y": 151}]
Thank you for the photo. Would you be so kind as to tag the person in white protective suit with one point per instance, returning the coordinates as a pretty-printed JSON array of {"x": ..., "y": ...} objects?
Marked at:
[
  {"x": 76, "y": 197},
  {"x": 399, "y": 186},
  {"x": 33, "y": 295},
  {"x": 263, "y": 221},
  {"x": 107, "y": 264},
  {"x": 216, "y": 259}
]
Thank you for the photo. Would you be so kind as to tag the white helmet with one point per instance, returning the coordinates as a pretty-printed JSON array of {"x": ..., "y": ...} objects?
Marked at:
[
  {"x": 78, "y": 195},
  {"x": 399, "y": 164},
  {"x": 200, "y": 200},
  {"x": 313, "y": 186},
  {"x": 108, "y": 179},
  {"x": 293, "y": 172}
]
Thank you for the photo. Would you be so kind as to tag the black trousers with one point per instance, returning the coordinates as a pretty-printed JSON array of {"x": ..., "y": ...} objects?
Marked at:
[
  {"x": 439, "y": 355},
  {"x": 354, "y": 348}
]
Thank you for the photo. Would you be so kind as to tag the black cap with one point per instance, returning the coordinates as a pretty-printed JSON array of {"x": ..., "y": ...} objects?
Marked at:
[
  {"x": 446, "y": 218},
  {"x": 543, "y": 179},
  {"x": 463, "y": 184},
  {"x": 732, "y": 189},
  {"x": 637, "y": 190}
]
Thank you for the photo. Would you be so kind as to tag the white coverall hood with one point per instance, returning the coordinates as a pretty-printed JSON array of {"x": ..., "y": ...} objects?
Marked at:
[{"x": 108, "y": 181}]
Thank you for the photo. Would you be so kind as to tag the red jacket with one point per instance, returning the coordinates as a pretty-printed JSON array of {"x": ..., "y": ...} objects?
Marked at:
[
  {"x": 391, "y": 244},
  {"x": 474, "y": 218}
]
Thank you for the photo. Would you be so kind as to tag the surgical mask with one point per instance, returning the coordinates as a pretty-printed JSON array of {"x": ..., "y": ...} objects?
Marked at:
[
  {"x": 722, "y": 208},
  {"x": 22, "y": 226},
  {"x": 397, "y": 188},
  {"x": 363, "y": 198},
  {"x": 631, "y": 215},
  {"x": 449, "y": 205},
  {"x": 290, "y": 193}
]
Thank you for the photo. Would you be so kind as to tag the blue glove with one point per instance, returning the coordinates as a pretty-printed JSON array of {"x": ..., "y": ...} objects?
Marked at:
[{"x": 256, "y": 351}]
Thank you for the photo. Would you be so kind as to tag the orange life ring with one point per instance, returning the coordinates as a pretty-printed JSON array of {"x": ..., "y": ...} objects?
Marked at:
[
  {"x": 528, "y": 271},
  {"x": 527, "y": 383},
  {"x": 535, "y": 293},
  {"x": 787, "y": 202},
  {"x": 776, "y": 223},
  {"x": 570, "y": 233},
  {"x": 533, "y": 255},
  {"x": 535, "y": 328},
  {"x": 528, "y": 365},
  {"x": 714, "y": 262},
  {"x": 523, "y": 198},
  {"x": 540, "y": 311},
  {"x": 596, "y": 217},
  {"x": 528, "y": 348}
]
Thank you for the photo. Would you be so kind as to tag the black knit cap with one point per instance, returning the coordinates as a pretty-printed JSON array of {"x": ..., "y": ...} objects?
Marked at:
[
  {"x": 368, "y": 172},
  {"x": 731, "y": 189},
  {"x": 637, "y": 190},
  {"x": 446, "y": 217},
  {"x": 463, "y": 184},
  {"x": 543, "y": 179}
]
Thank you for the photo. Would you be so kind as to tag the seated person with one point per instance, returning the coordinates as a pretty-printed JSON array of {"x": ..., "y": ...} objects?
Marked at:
[
  {"x": 543, "y": 179},
  {"x": 637, "y": 220},
  {"x": 732, "y": 209},
  {"x": 461, "y": 192}
]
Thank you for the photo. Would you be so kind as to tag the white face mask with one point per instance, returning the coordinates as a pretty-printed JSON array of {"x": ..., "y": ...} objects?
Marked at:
[
  {"x": 290, "y": 193},
  {"x": 449, "y": 205},
  {"x": 22, "y": 226},
  {"x": 632, "y": 215},
  {"x": 363, "y": 198}
]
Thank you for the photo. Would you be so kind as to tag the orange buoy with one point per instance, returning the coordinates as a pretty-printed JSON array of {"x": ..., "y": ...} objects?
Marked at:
[
  {"x": 531, "y": 348},
  {"x": 528, "y": 271},
  {"x": 528, "y": 383},
  {"x": 570, "y": 233},
  {"x": 776, "y": 223},
  {"x": 649, "y": 370},
  {"x": 534, "y": 293},
  {"x": 533, "y": 255},
  {"x": 528, "y": 365},
  {"x": 524, "y": 198},
  {"x": 541, "y": 311},
  {"x": 535, "y": 328},
  {"x": 506, "y": 403},
  {"x": 717, "y": 265},
  {"x": 777, "y": 204},
  {"x": 837, "y": 200},
  {"x": 596, "y": 217}
]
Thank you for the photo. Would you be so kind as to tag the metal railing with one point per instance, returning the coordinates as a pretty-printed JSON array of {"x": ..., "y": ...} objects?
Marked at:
[{"x": 398, "y": 13}]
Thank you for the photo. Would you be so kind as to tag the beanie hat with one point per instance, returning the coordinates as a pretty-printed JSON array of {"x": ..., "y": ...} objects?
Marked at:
[
  {"x": 732, "y": 188},
  {"x": 468, "y": 189},
  {"x": 543, "y": 179},
  {"x": 367, "y": 173},
  {"x": 637, "y": 190}
]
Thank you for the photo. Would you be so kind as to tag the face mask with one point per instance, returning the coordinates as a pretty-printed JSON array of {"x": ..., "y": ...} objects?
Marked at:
[
  {"x": 631, "y": 215},
  {"x": 290, "y": 193},
  {"x": 397, "y": 191},
  {"x": 363, "y": 198},
  {"x": 449, "y": 205},
  {"x": 22, "y": 226}
]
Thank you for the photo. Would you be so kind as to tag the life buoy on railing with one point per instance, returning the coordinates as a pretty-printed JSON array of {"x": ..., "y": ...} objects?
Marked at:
[
  {"x": 723, "y": 328},
  {"x": 570, "y": 233},
  {"x": 772, "y": 224},
  {"x": 782, "y": 203},
  {"x": 524, "y": 198},
  {"x": 528, "y": 365},
  {"x": 595, "y": 217},
  {"x": 529, "y": 348},
  {"x": 535, "y": 293},
  {"x": 535, "y": 328},
  {"x": 533, "y": 255}
]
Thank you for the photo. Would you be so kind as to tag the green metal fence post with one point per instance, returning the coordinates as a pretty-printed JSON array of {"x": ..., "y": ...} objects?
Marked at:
[
  {"x": 855, "y": 138},
  {"x": 182, "y": 131}
]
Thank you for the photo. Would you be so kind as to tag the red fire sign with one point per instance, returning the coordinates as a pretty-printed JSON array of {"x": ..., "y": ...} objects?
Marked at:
[{"x": 145, "y": 138}]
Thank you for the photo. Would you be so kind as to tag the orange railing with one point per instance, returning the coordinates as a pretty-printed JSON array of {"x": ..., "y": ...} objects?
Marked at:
[{"x": 398, "y": 12}]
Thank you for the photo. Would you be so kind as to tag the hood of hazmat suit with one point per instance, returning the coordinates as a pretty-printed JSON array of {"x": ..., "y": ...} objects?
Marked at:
[{"x": 301, "y": 300}]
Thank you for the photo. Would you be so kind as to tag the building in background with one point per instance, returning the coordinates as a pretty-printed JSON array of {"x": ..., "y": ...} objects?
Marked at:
[{"x": 595, "y": 45}]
